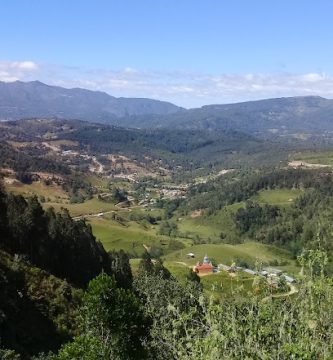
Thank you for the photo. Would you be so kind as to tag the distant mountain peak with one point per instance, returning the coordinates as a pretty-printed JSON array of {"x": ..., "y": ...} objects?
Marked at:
[{"x": 35, "y": 99}]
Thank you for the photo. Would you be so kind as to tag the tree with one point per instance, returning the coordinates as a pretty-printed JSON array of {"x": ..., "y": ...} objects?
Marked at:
[
  {"x": 146, "y": 265},
  {"x": 121, "y": 269},
  {"x": 118, "y": 195},
  {"x": 193, "y": 276},
  {"x": 161, "y": 270},
  {"x": 115, "y": 317}
]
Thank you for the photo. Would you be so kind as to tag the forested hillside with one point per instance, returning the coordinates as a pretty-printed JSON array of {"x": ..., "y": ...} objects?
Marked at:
[
  {"x": 266, "y": 118},
  {"x": 194, "y": 148},
  {"x": 34, "y": 99},
  {"x": 304, "y": 222}
]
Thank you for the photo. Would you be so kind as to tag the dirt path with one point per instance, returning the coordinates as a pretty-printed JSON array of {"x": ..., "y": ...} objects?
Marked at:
[
  {"x": 292, "y": 290},
  {"x": 99, "y": 169},
  {"x": 100, "y": 214},
  {"x": 181, "y": 263}
]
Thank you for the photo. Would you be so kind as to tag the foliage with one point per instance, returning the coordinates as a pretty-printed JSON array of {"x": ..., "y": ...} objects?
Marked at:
[
  {"x": 52, "y": 241},
  {"x": 193, "y": 276},
  {"x": 168, "y": 228},
  {"x": 121, "y": 269},
  {"x": 38, "y": 312},
  {"x": 253, "y": 216},
  {"x": 165, "y": 301},
  {"x": 113, "y": 324},
  {"x": 24, "y": 163},
  {"x": 148, "y": 267},
  {"x": 118, "y": 195}
]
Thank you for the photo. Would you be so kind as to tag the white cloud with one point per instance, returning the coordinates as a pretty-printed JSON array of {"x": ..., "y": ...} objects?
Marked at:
[
  {"x": 24, "y": 65},
  {"x": 314, "y": 77},
  {"x": 17, "y": 70},
  {"x": 184, "y": 88}
]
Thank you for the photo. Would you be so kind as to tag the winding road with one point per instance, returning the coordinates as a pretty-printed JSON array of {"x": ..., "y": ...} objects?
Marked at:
[{"x": 292, "y": 290}]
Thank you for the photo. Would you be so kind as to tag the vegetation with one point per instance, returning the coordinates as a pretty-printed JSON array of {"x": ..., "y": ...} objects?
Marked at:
[
  {"x": 177, "y": 322},
  {"x": 111, "y": 275}
]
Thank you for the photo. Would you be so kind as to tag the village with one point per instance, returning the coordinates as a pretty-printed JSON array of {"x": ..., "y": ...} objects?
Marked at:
[{"x": 272, "y": 275}]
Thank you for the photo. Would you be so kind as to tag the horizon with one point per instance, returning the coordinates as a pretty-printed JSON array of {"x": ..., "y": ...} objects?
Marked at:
[
  {"x": 186, "y": 108},
  {"x": 189, "y": 53}
]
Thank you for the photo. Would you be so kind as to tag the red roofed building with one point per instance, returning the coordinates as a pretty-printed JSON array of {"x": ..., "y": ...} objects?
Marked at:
[{"x": 204, "y": 267}]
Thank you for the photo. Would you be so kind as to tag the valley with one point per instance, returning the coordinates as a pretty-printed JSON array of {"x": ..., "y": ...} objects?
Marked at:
[
  {"x": 132, "y": 202},
  {"x": 154, "y": 205},
  {"x": 166, "y": 180}
]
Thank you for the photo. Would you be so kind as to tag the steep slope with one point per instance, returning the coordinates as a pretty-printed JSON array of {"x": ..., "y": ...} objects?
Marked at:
[
  {"x": 37, "y": 310},
  {"x": 35, "y": 99}
]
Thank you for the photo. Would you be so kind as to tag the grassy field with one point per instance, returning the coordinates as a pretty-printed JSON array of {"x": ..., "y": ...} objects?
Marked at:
[
  {"x": 314, "y": 157},
  {"x": 131, "y": 236},
  {"x": 92, "y": 206},
  {"x": 251, "y": 252},
  {"x": 217, "y": 285},
  {"x": 211, "y": 226},
  {"x": 222, "y": 223},
  {"x": 278, "y": 196},
  {"x": 220, "y": 285},
  {"x": 53, "y": 192}
]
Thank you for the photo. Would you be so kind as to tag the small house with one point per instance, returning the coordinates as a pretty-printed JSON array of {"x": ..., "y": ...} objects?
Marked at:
[{"x": 204, "y": 267}]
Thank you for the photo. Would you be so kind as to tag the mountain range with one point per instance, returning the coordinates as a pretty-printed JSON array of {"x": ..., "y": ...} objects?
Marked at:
[
  {"x": 271, "y": 117},
  {"x": 35, "y": 99}
]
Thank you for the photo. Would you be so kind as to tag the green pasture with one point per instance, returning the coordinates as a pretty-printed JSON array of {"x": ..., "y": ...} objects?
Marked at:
[
  {"x": 53, "y": 192},
  {"x": 211, "y": 227},
  {"x": 217, "y": 285},
  {"x": 251, "y": 252},
  {"x": 277, "y": 196},
  {"x": 221, "y": 285},
  {"x": 314, "y": 157},
  {"x": 92, "y": 206},
  {"x": 130, "y": 236}
]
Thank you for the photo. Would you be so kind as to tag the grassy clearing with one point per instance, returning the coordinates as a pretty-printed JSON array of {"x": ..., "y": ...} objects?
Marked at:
[
  {"x": 211, "y": 226},
  {"x": 250, "y": 252},
  {"x": 221, "y": 285},
  {"x": 97, "y": 181},
  {"x": 217, "y": 285},
  {"x": 52, "y": 192},
  {"x": 116, "y": 236},
  {"x": 196, "y": 227},
  {"x": 277, "y": 197},
  {"x": 131, "y": 236},
  {"x": 92, "y": 206},
  {"x": 313, "y": 157}
]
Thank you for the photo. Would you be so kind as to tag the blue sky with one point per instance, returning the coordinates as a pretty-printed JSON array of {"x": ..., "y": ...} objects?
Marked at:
[{"x": 191, "y": 52}]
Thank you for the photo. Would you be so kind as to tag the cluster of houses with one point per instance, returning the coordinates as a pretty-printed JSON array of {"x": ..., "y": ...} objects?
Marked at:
[{"x": 271, "y": 274}]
